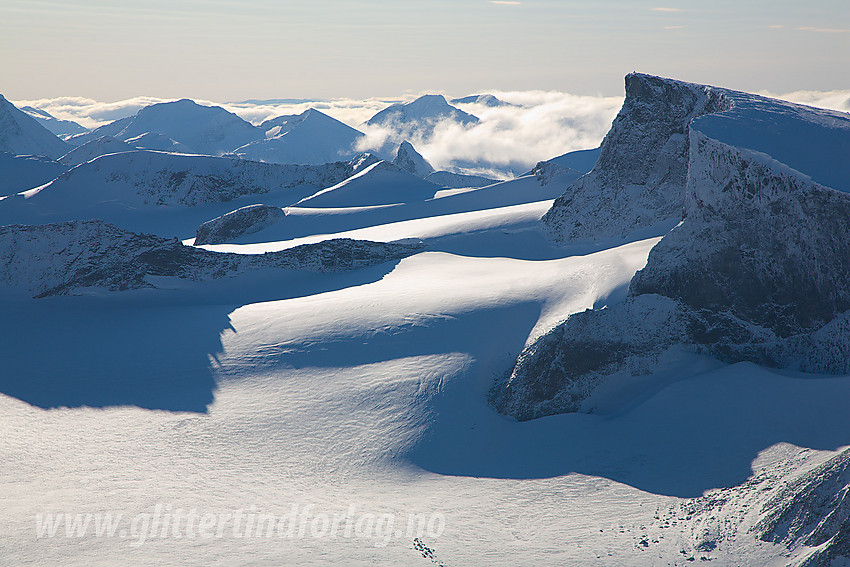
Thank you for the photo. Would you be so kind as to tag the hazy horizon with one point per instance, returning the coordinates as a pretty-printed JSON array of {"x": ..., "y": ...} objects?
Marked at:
[{"x": 229, "y": 51}]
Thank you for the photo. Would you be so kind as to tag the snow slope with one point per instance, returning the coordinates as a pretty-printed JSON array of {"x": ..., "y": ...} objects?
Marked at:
[
  {"x": 158, "y": 142},
  {"x": 381, "y": 183},
  {"x": 21, "y": 134},
  {"x": 311, "y": 223},
  {"x": 580, "y": 160},
  {"x": 362, "y": 394},
  {"x": 207, "y": 129},
  {"x": 756, "y": 271},
  {"x": 167, "y": 193},
  {"x": 311, "y": 137},
  {"x": 58, "y": 127},
  {"x": 20, "y": 173},
  {"x": 366, "y": 389},
  {"x": 95, "y": 148}
]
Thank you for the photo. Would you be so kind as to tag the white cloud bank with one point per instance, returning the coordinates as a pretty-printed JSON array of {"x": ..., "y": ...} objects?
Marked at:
[{"x": 508, "y": 140}]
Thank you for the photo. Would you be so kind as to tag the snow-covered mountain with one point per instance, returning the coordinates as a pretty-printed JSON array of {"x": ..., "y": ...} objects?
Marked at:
[
  {"x": 61, "y": 128},
  {"x": 210, "y": 130},
  {"x": 340, "y": 357},
  {"x": 95, "y": 148},
  {"x": 159, "y": 142},
  {"x": 757, "y": 270},
  {"x": 381, "y": 183},
  {"x": 420, "y": 117},
  {"x": 409, "y": 160},
  {"x": 640, "y": 175},
  {"x": 21, "y": 134},
  {"x": 19, "y": 173},
  {"x": 67, "y": 258},
  {"x": 311, "y": 137},
  {"x": 111, "y": 129},
  {"x": 483, "y": 99},
  {"x": 120, "y": 187},
  {"x": 579, "y": 160}
]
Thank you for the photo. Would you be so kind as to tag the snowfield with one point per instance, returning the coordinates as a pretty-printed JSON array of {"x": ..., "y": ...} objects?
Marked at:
[{"x": 299, "y": 414}]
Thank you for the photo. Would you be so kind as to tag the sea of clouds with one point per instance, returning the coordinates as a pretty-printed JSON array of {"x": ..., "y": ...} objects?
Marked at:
[{"x": 507, "y": 141}]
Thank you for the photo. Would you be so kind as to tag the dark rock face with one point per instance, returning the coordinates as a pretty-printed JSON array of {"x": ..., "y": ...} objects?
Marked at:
[
  {"x": 766, "y": 245},
  {"x": 814, "y": 510},
  {"x": 63, "y": 258},
  {"x": 758, "y": 271},
  {"x": 639, "y": 179},
  {"x": 246, "y": 220},
  {"x": 409, "y": 160}
]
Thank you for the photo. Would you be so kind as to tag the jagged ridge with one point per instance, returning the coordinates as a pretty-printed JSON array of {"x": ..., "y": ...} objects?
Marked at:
[{"x": 757, "y": 271}]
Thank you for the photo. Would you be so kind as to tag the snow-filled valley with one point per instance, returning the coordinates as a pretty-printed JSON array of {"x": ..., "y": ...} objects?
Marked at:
[{"x": 640, "y": 360}]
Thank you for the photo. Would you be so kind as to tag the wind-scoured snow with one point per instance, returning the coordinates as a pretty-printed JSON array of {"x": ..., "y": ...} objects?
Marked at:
[{"x": 352, "y": 377}]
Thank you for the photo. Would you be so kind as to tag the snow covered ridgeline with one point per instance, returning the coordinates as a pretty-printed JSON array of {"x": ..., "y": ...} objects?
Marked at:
[
  {"x": 155, "y": 179},
  {"x": 65, "y": 258},
  {"x": 757, "y": 271}
]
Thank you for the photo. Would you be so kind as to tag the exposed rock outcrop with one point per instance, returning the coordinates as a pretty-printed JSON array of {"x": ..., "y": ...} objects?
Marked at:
[
  {"x": 639, "y": 179},
  {"x": 65, "y": 258},
  {"x": 813, "y": 510},
  {"x": 757, "y": 271},
  {"x": 409, "y": 160},
  {"x": 245, "y": 220}
]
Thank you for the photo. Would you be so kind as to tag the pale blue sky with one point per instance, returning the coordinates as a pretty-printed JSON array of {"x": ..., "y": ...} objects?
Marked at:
[{"x": 229, "y": 50}]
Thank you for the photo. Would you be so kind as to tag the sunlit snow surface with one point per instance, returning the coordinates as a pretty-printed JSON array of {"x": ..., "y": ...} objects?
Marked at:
[{"x": 369, "y": 389}]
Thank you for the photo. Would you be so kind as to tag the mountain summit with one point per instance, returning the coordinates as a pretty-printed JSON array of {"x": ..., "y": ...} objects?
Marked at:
[
  {"x": 756, "y": 269},
  {"x": 311, "y": 137},
  {"x": 21, "y": 134},
  {"x": 421, "y": 116}
]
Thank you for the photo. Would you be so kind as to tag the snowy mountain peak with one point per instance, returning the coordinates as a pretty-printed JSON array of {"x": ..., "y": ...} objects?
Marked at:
[
  {"x": 639, "y": 179},
  {"x": 421, "y": 115},
  {"x": 381, "y": 183},
  {"x": 311, "y": 137},
  {"x": 483, "y": 99},
  {"x": 58, "y": 127},
  {"x": 208, "y": 129},
  {"x": 21, "y": 134},
  {"x": 409, "y": 160},
  {"x": 757, "y": 271}
]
